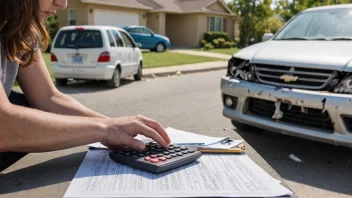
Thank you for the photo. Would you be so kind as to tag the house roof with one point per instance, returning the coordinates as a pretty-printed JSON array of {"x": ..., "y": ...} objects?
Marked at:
[
  {"x": 182, "y": 6},
  {"x": 174, "y": 6},
  {"x": 121, "y": 3}
]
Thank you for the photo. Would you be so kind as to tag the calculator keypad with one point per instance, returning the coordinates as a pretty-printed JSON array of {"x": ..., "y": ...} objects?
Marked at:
[{"x": 154, "y": 153}]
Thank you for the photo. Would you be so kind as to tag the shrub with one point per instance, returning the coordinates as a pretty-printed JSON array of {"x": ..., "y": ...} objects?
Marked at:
[
  {"x": 210, "y": 36},
  {"x": 202, "y": 43},
  {"x": 227, "y": 44},
  {"x": 215, "y": 43},
  {"x": 221, "y": 42},
  {"x": 208, "y": 46}
]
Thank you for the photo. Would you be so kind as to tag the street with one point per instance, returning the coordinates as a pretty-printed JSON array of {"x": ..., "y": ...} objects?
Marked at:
[{"x": 193, "y": 103}]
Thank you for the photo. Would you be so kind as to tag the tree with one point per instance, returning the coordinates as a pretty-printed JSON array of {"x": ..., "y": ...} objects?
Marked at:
[
  {"x": 52, "y": 25},
  {"x": 252, "y": 13},
  {"x": 288, "y": 9}
]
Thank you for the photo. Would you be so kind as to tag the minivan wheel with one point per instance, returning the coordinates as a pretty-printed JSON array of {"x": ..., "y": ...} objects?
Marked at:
[
  {"x": 61, "y": 81},
  {"x": 160, "y": 47},
  {"x": 139, "y": 74},
  {"x": 242, "y": 126},
  {"x": 115, "y": 80}
]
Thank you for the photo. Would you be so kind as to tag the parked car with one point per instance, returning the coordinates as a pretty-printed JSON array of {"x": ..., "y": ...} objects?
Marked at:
[
  {"x": 299, "y": 82},
  {"x": 148, "y": 39},
  {"x": 95, "y": 52}
]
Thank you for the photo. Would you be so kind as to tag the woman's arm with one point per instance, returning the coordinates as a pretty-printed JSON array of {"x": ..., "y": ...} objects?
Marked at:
[
  {"x": 42, "y": 94},
  {"x": 30, "y": 130}
]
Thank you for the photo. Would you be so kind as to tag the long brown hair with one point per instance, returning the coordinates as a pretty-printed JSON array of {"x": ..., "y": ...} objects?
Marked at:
[{"x": 22, "y": 30}]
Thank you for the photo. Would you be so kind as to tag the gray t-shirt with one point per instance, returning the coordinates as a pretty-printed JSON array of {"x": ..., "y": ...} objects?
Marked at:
[{"x": 8, "y": 71}]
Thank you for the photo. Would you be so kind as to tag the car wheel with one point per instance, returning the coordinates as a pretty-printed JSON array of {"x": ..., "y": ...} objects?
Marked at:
[
  {"x": 116, "y": 79},
  {"x": 160, "y": 47},
  {"x": 139, "y": 74},
  {"x": 61, "y": 81},
  {"x": 242, "y": 126}
]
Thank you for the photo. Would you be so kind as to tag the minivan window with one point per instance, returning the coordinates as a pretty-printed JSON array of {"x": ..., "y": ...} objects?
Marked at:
[
  {"x": 329, "y": 24},
  {"x": 79, "y": 39},
  {"x": 117, "y": 38},
  {"x": 111, "y": 40},
  {"x": 127, "y": 39}
]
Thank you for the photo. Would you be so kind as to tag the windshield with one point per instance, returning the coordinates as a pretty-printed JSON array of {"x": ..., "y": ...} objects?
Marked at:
[
  {"x": 79, "y": 39},
  {"x": 330, "y": 24}
]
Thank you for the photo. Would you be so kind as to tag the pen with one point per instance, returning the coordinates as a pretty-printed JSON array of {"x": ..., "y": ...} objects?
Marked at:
[{"x": 192, "y": 144}]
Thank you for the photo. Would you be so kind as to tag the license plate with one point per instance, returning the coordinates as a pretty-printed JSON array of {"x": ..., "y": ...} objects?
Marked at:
[{"x": 77, "y": 59}]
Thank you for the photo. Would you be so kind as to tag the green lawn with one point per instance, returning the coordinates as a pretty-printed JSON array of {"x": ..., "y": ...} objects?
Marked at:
[
  {"x": 153, "y": 59},
  {"x": 229, "y": 51}
]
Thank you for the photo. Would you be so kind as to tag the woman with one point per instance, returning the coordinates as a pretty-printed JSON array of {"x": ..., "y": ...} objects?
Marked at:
[{"x": 55, "y": 121}]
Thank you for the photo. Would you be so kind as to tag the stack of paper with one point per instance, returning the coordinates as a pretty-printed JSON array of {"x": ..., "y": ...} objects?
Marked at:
[
  {"x": 188, "y": 139},
  {"x": 209, "y": 176}
]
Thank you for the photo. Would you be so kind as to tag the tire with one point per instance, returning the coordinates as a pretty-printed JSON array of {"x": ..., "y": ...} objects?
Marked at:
[
  {"x": 160, "y": 47},
  {"x": 241, "y": 126},
  {"x": 139, "y": 75},
  {"x": 115, "y": 80},
  {"x": 61, "y": 81}
]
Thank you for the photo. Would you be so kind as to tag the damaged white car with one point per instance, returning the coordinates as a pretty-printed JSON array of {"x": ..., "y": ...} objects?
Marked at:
[{"x": 299, "y": 82}]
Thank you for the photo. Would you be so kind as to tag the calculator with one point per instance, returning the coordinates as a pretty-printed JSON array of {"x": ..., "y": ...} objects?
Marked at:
[{"x": 155, "y": 158}]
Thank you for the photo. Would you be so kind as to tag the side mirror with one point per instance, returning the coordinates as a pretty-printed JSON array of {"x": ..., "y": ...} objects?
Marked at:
[
  {"x": 267, "y": 36},
  {"x": 139, "y": 45}
]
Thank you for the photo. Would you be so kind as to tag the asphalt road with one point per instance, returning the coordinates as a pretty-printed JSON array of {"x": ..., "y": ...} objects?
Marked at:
[{"x": 193, "y": 103}]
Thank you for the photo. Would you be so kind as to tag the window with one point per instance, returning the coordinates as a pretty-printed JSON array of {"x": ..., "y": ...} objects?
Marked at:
[
  {"x": 111, "y": 40},
  {"x": 127, "y": 39},
  {"x": 118, "y": 40},
  {"x": 146, "y": 31},
  {"x": 135, "y": 30},
  {"x": 71, "y": 17},
  {"x": 217, "y": 24},
  {"x": 79, "y": 39}
]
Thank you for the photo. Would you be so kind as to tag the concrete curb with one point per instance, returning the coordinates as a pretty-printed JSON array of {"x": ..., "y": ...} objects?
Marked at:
[
  {"x": 184, "y": 69},
  {"x": 163, "y": 74}
]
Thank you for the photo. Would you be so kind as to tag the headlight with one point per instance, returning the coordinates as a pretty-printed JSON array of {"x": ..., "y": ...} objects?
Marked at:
[
  {"x": 240, "y": 68},
  {"x": 345, "y": 86}
]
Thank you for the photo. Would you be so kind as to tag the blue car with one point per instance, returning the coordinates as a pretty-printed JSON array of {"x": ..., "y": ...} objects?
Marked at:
[{"x": 148, "y": 39}]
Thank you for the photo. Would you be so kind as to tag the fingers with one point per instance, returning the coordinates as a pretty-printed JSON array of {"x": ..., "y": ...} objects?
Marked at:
[
  {"x": 156, "y": 126},
  {"x": 151, "y": 133},
  {"x": 132, "y": 142}
]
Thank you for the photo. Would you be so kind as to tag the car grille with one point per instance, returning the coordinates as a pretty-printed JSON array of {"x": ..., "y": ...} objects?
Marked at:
[
  {"x": 313, "y": 118},
  {"x": 301, "y": 78}
]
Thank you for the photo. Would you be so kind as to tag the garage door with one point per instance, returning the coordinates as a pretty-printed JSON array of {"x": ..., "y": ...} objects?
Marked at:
[{"x": 115, "y": 18}]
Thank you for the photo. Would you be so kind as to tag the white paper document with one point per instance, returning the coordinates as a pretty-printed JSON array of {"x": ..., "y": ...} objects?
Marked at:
[
  {"x": 187, "y": 139},
  {"x": 210, "y": 176}
]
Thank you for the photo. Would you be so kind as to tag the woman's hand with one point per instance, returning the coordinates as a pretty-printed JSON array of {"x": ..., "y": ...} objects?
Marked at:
[{"x": 121, "y": 132}]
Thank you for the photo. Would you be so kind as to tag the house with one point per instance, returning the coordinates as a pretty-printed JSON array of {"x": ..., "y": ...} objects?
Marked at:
[{"x": 183, "y": 21}]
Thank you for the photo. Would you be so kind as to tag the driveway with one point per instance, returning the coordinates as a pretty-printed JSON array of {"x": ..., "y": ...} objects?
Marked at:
[{"x": 201, "y": 53}]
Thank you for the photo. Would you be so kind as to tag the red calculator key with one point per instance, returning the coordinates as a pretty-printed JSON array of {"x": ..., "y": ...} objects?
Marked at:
[
  {"x": 147, "y": 158},
  {"x": 155, "y": 160},
  {"x": 162, "y": 158},
  {"x": 153, "y": 156}
]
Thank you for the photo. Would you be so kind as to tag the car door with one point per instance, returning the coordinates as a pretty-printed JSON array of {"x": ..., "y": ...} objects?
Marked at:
[
  {"x": 137, "y": 36},
  {"x": 132, "y": 54},
  {"x": 148, "y": 37},
  {"x": 114, "y": 50},
  {"x": 123, "y": 54}
]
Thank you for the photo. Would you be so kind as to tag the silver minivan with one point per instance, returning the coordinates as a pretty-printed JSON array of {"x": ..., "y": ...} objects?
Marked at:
[
  {"x": 299, "y": 82},
  {"x": 95, "y": 52}
]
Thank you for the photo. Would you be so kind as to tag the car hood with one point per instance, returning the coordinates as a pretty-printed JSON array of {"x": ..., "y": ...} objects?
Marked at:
[{"x": 335, "y": 55}]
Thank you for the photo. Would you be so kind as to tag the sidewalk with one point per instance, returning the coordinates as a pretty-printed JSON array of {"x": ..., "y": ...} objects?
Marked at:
[
  {"x": 201, "y": 53},
  {"x": 188, "y": 68}
]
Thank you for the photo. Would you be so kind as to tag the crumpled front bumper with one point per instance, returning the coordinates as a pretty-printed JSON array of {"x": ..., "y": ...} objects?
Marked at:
[{"x": 338, "y": 106}]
